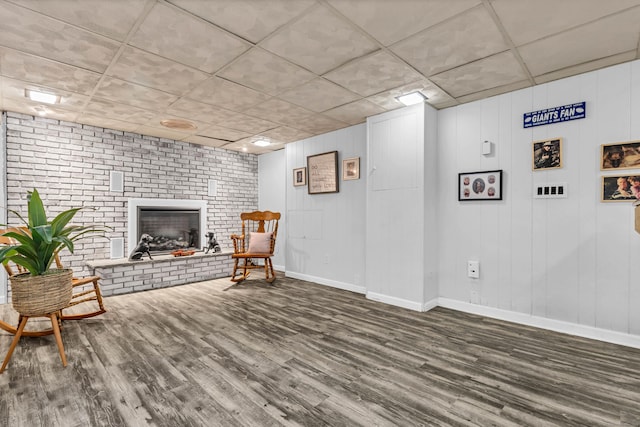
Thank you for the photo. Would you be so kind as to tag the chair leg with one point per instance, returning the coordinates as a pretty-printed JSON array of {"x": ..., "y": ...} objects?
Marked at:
[
  {"x": 268, "y": 261},
  {"x": 56, "y": 331},
  {"x": 14, "y": 343},
  {"x": 235, "y": 269}
]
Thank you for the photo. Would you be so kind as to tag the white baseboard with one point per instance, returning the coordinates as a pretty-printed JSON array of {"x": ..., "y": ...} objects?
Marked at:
[
  {"x": 430, "y": 305},
  {"x": 322, "y": 281},
  {"x": 279, "y": 268},
  {"x": 399, "y": 302},
  {"x": 544, "y": 323}
]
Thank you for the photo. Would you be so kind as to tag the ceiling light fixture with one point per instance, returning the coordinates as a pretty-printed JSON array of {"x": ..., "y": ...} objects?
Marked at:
[
  {"x": 178, "y": 124},
  {"x": 411, "y": 98},
  {"x": 37, "y": 96},
  {"x": 261, "y": 143}
]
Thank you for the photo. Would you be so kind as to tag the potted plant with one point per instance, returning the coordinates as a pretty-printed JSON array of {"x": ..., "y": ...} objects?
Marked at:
[{"x": 42, "y": 289}]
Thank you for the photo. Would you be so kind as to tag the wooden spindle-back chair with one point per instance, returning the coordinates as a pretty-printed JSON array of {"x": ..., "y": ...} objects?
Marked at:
[{"x": 257, "y": 241}]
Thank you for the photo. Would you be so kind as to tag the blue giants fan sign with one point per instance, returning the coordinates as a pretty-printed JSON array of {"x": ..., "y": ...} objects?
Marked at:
[{"x": 555, "y": 115}]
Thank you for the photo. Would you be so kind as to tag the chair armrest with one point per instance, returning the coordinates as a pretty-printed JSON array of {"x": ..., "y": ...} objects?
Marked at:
[{"x": 238, "y": 243}]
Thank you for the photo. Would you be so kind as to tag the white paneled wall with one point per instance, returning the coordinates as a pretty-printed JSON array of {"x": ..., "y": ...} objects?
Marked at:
[
  {"x": 272, "y": 197},
  {"x": 571, "y": 260},
  {"x": 326, "y": 242}
]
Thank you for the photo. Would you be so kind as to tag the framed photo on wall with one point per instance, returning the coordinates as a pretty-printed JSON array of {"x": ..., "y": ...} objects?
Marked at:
[
  {"x": 547, "y": 154},
  {"x": 323, "y": 173},
  {"x": 299, "y": 177},
  {"x": 351, "y": 168},
  {"x": 486, "y": 185},
  {"x": 621, "y": 155},
  {"x": 620, "y": 188}
]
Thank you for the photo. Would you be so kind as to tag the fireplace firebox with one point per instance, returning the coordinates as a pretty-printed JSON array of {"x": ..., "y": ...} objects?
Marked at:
[
  {"x": 171, "y": 229},
  {"x": 173, "y": 223}
]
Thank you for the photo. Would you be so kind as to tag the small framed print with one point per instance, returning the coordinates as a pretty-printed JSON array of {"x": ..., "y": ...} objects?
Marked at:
[
  {"x": 621, "y": 155},
  {"x": 299, "y": 177},
  {"x": 351, "y": 168},
  {"x": 485, "y": 185},
  {"x": 547, "y": 154},
  {"x": 620, "y": 188}
]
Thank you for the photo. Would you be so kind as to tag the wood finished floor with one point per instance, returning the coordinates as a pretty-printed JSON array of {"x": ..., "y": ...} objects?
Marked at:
[{"x": 297, "y": 353}]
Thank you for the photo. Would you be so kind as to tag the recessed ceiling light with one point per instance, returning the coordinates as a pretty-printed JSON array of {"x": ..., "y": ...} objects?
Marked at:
[
  {"x": 261, "y": 143},
  {"x": 411, "y": 98},
  {"x": 37, "y": 96},
  {"x": 178, "y": 124},
  {"x": 244, "y": 149}
]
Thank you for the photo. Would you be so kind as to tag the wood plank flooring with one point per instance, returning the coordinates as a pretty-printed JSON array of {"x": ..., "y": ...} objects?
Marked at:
[{"x": 302, "y": 354}]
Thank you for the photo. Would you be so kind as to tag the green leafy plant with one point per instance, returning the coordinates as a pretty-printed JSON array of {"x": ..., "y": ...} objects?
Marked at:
[{"x": 40, "y": 240}]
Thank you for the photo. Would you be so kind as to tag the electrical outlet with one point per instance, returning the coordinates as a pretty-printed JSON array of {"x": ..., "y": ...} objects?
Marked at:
[
  {"x": 326, "y": 258},
  {"x": 473, "y": 269}
]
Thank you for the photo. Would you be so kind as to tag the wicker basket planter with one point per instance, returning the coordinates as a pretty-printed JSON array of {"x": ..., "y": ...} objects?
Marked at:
[{"x": 44, "y": 294}]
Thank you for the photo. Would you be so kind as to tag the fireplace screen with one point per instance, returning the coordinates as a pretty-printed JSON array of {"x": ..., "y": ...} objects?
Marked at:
[{"x": 171, "y": 229}]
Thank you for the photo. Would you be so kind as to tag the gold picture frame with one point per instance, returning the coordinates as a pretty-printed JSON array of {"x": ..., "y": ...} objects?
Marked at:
[
  {"x": 620, "y": 155},
  {"x": 351, "y": 168},
  {"x": 620, "y": 188}
]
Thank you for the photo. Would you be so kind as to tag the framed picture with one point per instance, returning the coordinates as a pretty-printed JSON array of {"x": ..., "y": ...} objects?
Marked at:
[
  {"x": 485, "y": 185},
  {"x": 299, "y": 177},
  {"x": 547, "y": 154},
  {"x": 323, "y": 173},
  {"x": 351, "y": 168},
  {"x": 620, "y": 188},
  {"x": 621, "y": 155}
]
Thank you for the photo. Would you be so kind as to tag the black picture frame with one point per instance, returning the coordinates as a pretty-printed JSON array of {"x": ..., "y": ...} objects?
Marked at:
[
  {"x": 322, "y": 173},
  {"x": 482, "y": 185}
]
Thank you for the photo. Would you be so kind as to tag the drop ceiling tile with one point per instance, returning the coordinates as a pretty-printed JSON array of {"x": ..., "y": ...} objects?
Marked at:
[
  {"x": 174, "y": 34},
  {"x": 547, "y": 17},
  {"x": 319, "y": 41},
  {"x": 373, "y": 74},
  {"x": 154, "y": 71},
  {"x": 278, "y": 111},
  {"x": 602, "y": 38},
  {"x": 318, "y": 124},
  {"x": 113, "y": 19},
  {"x": 391, "y": 21},
  {"x": 106, "y": 123},
  {"x": 161, "y": 133},
  {"x": 495, "y": 91},
  {"x": 41, "y": 71},
  {"x": 465, "y": 38},
  {"x": 435, "y": 95},
  {"x": 318, "y": 95},
  {"x": 194, "y": 110},
  {"x": 12, "y": 88},
  {"x": 355, "y": 112},
  {"x": 226, "y": 94},
  {"x": 205, "y": 140},
  {"x": 285, "y": 134},
  {"x": 587, "y": 66},
  {"x": 249, "y": 124},
  {"x": 223, "y": 133},
  {"x": 494, "y": 71},
  {"x": 27, "y": 31},
  {"x": 113, "y": 110},
  {"x": 132, "y": 94},
  {"x": 265, "y": 72},
  {"x": 249, "y": 19}
]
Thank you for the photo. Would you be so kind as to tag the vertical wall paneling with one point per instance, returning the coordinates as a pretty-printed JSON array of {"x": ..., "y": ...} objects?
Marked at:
[
  {"x": 431, "y": 190},
  {"x": 325, "y": 241},
  {"x": 3, "y": 192},
  {"x": 395, "y": 207},
  {"x": 272, "y": 196}
]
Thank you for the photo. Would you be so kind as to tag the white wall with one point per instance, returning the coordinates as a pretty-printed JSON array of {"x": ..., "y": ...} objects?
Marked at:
[
  {"x": 326, "y": 232},
  {"x": 272, "y": 197},
  {"x": 571, "y": 260}
]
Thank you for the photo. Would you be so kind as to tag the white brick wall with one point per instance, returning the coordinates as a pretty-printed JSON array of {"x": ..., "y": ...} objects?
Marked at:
[{"x": 69, "y": 164}]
